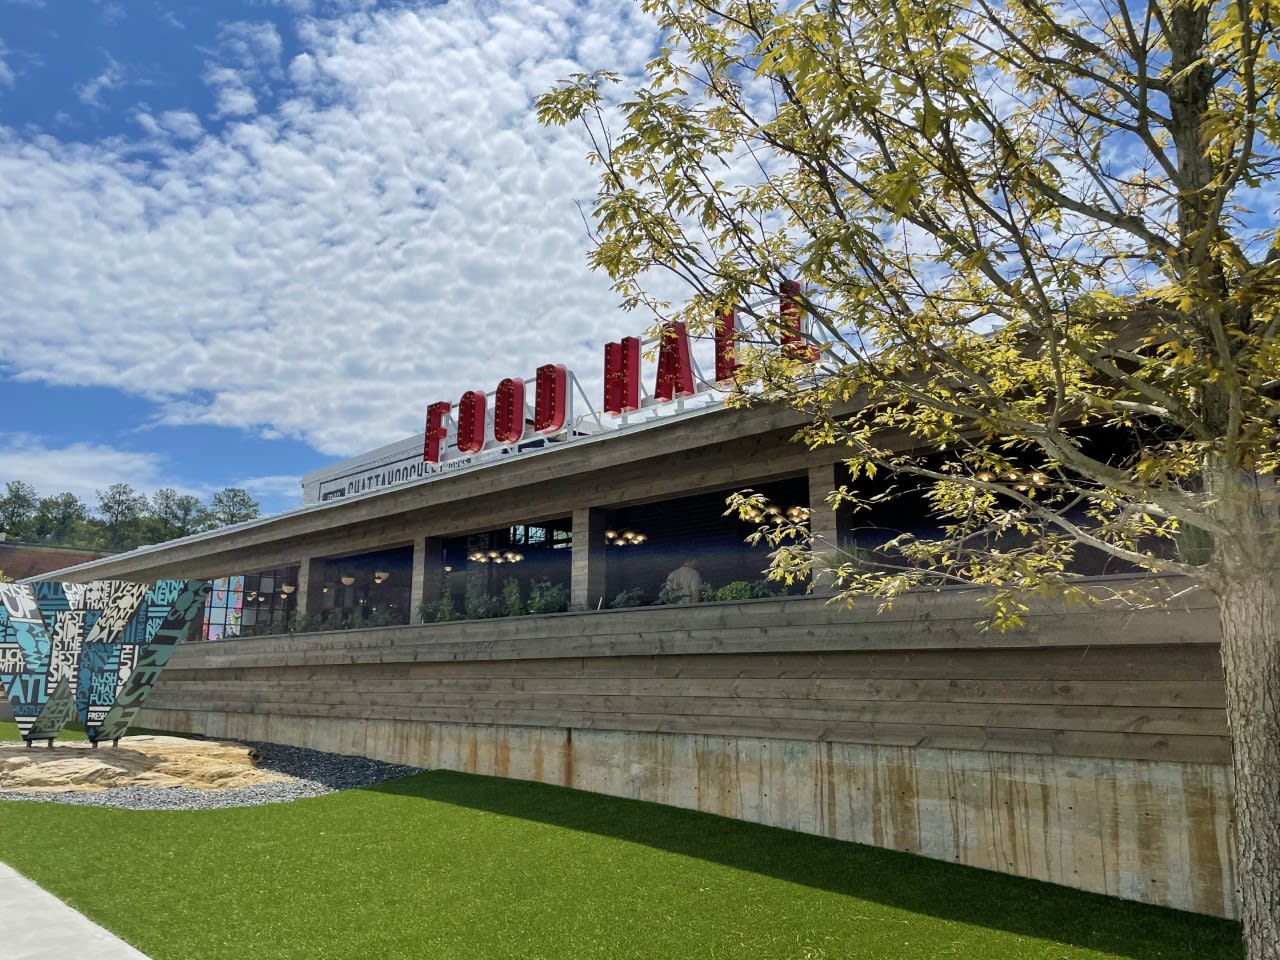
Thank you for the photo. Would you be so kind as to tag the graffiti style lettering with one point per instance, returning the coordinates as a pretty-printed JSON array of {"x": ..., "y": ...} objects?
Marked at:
[
  {"x": 102, "y": 689},
  {"x": 151, "y": 662},
  {"x": 20, "y": 603},
  {"x": 97, "y": 594},
  {"x": 57, "y": 712},
  {"x": 164, "y": 593},
  {"x": 10, "y": 662},
  {"x": 68, "y": 634},
  {"x": 121, "y": 608},
  {"x": 75, "y": 595}
]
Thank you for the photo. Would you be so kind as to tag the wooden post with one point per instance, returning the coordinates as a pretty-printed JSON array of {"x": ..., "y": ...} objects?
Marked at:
[
  {"x": 428, "y": 571},
  {"x": 587, "y": 579},
  {"x": 823, "y": 526},
  {"x": 310, "y": 584}
]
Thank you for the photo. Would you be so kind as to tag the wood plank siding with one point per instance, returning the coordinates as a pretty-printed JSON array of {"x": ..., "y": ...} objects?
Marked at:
[{"x": 1088, "y": 748}]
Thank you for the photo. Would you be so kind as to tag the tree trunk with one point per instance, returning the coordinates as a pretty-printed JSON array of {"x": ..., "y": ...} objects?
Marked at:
[{"x": 1251, "y": 658}]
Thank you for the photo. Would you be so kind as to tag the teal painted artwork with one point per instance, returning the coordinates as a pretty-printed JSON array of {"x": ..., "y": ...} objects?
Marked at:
[
  {"x": 65, "y": 620},
  {"x": 68, "y": 649},
  {"x": 110, "y": 606},
  {"x": 153, "y": 656},
  {"x": 24, "y": 628}
]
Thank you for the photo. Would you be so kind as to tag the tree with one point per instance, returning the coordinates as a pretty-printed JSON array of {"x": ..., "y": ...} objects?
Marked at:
[
  {"x": 64, "y": 520},
  {"x": 176, "y": 515},
  {"x": 1037, "y": 246},
  {"x": 122, "y": 511},
  {"x": 17, "y": 509},
  {"x": 231, "y": 505}
]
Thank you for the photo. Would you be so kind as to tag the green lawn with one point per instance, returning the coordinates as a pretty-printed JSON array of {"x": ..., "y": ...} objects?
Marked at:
[{"x": 445, "y": 865}]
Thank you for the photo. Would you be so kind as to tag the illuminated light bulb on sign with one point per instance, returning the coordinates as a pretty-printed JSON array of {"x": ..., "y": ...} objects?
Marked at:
[
  {"x": 508, "y": 411},
  {"x": 622, "y": 375},
  {"x": 471, "y": 422},
  {"x": 550, "y": 405}
]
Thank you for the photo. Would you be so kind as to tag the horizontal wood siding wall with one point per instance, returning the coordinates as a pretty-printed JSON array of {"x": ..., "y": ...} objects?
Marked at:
[{"x": 1088, "y": 748}]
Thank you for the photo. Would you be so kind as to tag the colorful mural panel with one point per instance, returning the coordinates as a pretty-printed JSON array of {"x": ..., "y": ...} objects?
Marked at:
[
  {"x": 153, "y": 656},
  {"x": 110, "y": 606},
  {"x": 81, "y": 648},
  {"x": 224, "y": 610},
  {"x": 28, "y": 687},
  {"x": 66, "y": 620}
]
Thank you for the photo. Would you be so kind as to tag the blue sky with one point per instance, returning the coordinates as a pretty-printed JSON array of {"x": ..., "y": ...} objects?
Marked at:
[{"x": 245, "y": 239}]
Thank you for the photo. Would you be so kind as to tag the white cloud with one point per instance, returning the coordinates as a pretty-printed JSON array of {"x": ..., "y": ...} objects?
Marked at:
[
  {"x": 182, "y": 124},
  {"x": 297, "y": 6},
  {"x": 111, "y": 78},
  {"x": 278, "y": 487},
  {"x": 81, "y": 468},
  {"x": 109, "y": 12},
  {"x": 236, "y": 100},
  {"x": 167, "y": 16},
  {"x": 397, "y": 230},
  {"x": 246, "y": 62},
  {"x": 252, "y": 44},
  {"x": 6, "y": 72}
]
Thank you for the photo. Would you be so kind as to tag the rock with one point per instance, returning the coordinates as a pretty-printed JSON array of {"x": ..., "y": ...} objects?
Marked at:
[{"x": 138, "y": 761}]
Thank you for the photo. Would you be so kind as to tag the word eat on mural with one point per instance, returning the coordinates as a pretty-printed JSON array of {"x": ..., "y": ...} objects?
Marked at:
[{"x": 92, "y": 650}]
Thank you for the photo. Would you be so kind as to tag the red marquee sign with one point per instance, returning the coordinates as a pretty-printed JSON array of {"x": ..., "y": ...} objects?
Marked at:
[{"x": 675, "y": 380}]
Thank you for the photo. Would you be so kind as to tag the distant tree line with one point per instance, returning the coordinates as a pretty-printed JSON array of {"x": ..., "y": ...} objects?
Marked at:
[{"x": 123, "y": 518}]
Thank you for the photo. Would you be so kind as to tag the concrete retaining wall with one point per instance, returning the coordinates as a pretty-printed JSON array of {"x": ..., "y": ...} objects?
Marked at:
[{"x": 1087, "y": 749}]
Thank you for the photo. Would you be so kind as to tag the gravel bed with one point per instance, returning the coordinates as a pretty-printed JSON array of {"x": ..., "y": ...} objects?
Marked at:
[{"x": 312, "y": 773}]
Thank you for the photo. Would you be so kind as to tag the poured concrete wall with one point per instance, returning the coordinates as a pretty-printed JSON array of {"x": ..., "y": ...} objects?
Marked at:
[{"x": 1088, "y": 749}]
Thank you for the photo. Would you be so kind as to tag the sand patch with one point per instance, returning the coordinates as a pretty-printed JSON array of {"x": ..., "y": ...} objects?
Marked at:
[{"x": 141, "y": 761}]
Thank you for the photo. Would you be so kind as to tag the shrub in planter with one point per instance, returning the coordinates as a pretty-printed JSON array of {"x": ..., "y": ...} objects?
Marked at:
[
  {"x": 438, "y": 611},
  {"x": 548, "y": 597},
  {"x": 627, "y": 598},
  {"x": 736, "y": 590},
  {"x": 512, "y": 602},
  {"x": 477, "y": 604}
]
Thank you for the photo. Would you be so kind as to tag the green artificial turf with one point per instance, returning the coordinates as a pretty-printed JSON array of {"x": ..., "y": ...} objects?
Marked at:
[
  {"x": 72, "y": 731},
  {"x": 445, "y": 865},
  {"x": 9, "y": 732}
]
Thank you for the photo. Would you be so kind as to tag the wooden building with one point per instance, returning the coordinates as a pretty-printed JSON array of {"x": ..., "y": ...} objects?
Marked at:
[{"x": 1088, "y": 749}]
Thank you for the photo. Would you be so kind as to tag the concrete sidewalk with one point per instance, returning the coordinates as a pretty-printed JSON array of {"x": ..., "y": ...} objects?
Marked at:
[{"x": 39, "y": 926}]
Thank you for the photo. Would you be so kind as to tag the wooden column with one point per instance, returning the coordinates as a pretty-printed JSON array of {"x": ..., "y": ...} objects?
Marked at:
[
  {"x": 428, "y": 572},
  {"x": 310, "y": 584},
  {"x": 823, "y": 526},
  {"x": 587, "y": 579}
]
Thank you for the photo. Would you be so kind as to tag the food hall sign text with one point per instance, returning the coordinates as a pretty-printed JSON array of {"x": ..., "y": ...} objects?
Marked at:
[{"x": 551, "y": 405}]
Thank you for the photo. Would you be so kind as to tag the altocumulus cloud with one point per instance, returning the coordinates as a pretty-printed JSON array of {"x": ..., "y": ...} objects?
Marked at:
[
  {"x": 80, "y": 468},
  {"x": 395, "y": 228}
]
